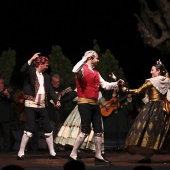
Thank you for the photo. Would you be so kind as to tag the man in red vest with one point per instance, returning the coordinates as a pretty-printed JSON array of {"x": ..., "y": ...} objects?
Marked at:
[{"x": 88, "y": 81}]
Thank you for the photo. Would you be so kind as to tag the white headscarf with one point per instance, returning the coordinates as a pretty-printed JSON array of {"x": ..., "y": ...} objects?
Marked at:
[{"x": 90, "y": 51}]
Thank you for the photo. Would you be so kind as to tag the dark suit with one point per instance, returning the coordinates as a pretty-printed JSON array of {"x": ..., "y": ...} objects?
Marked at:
[
  {"x": 29, "y": 83},
  {"x": 29, "y": 89}
]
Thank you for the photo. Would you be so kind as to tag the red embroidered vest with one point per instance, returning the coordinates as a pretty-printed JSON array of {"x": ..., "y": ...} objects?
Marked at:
[{"x": 88, "y": 86}]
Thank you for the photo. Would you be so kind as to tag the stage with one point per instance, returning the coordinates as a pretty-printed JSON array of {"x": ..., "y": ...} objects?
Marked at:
[{"x": 120, "y": 161}]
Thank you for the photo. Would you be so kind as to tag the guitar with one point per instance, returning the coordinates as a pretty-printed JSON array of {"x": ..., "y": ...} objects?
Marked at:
[
  {"x": 112, "y": 104},
  {"x": 67, "y": 90}
]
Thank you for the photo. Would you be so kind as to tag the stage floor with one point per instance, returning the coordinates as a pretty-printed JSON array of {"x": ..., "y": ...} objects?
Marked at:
[{"x": 120, "y": 161}]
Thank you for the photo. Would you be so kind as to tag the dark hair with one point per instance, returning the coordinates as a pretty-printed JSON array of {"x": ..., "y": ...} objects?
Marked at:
[
  {"x": 40, "y": 60},
  {"x": 162, "y": 69}
]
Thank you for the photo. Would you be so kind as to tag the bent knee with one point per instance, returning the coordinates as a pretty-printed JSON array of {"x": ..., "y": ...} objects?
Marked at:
[
  {"x": 99, "y": 134},
  {"x": 29, "y": 134},
  {"x": 48, "y": 134},
  {"x": 83, "y": 135}
]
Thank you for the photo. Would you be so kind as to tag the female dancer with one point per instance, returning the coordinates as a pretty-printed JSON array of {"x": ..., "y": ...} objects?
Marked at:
[{"x": 150, "y": 130}]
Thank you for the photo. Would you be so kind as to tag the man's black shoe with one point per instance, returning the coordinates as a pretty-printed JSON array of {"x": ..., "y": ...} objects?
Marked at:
[
  {"x": 22, "y": 158},
  {"x": 53, "y": 157},
  {"x": 72, "y": 159},
  {"x": 102, "y": 161},
  {"x": 145, "y": 160}
]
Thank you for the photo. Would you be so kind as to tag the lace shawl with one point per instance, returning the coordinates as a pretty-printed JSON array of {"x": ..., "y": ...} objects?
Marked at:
[{"x": 162, "y": 84}]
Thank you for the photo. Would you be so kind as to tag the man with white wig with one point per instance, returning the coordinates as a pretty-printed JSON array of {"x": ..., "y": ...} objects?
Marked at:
[{"x": 88, "y": 81}]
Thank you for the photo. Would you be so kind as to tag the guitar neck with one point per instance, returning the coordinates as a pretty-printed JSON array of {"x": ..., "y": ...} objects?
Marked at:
[
  {"x": 67, "y": 90},
  {"x": 121, "y": 99}
]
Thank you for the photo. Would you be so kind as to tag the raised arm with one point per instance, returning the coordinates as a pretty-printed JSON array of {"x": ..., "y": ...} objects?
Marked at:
[
  {"x": 28, "y": 63},
  {"x": 77, "y": 69}
]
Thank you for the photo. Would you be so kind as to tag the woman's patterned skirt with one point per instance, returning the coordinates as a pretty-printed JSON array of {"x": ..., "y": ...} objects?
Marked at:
[{"x": 150, "y": 131}]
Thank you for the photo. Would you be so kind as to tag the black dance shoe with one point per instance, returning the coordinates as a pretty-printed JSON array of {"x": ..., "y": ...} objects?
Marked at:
[
  {"x": 145, "y": 160},
  {"x": 72, "y": 159},
  {"x": 53, "y": 157},
  {"x": 102, "y": 161},
  {"x": 22, "y": 158}
]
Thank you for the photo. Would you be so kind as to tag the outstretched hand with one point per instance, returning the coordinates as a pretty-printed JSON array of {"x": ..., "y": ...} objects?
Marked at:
[
  {"x": 124, "y": 89},
  {"x": 112, "y": 76},
  {"x": 120, "y": 81}
]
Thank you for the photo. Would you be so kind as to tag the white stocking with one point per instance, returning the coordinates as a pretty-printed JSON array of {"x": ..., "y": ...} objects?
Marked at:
[
  {"x": 23, "y": 144},
  {"x": 98, "y": 145},
  {"x": 50, "y": 143},
  {"x": 80, "y": 139}
]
